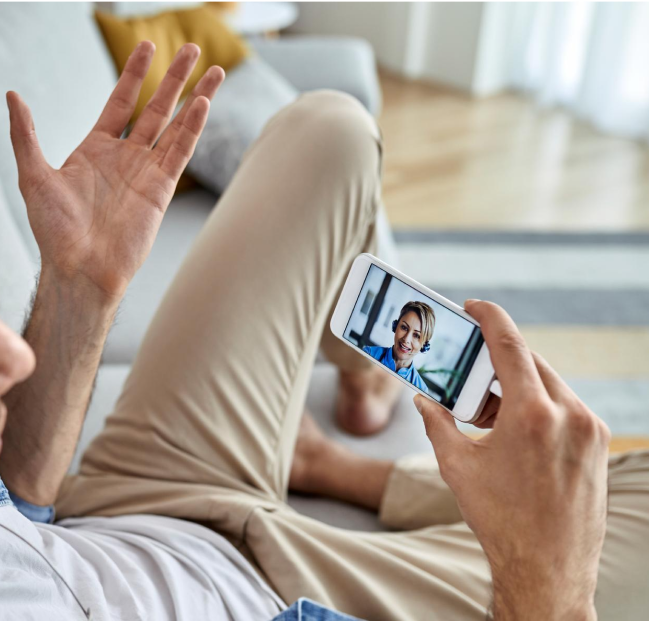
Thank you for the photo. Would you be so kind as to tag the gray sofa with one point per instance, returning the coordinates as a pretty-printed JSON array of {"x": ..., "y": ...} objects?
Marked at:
[{"x": 54, "y": 56}]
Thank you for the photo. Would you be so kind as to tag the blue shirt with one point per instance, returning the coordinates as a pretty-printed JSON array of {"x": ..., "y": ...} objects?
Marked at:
[{"x": 384, "y": 356}]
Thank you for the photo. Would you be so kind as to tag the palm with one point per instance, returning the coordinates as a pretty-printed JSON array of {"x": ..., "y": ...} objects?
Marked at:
[
  {"x": 99, "y": 214},
  {"x": 103, "y": 207}
]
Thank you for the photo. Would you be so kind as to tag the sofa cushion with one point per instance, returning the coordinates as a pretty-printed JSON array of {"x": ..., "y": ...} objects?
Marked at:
[
  {"x": 184, "y": 219},
  {"x": 53, "y": 55},
  {"x": 251, "y": 94},
  {"x": 16, "y": 271},
  {"x": 312, "y": 62}
]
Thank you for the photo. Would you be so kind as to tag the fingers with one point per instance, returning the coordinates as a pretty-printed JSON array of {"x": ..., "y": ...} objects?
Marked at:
[
  {"x": 32, "y": 166},
  {"x": 158, "y": 111},
  {"x": 555, "y": 386},
  {"x": 510, "y": 356},
  {"x": 488, "y": 415},
  {"x": 206, "y": 87},
  {"x": 446, "y": 438},
  {"x": 181, "y": 150},
  {"x": 120, "y": 105}
]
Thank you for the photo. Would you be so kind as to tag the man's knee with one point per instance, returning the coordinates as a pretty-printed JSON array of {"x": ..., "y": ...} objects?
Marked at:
[{"x": 336, "y": 138}]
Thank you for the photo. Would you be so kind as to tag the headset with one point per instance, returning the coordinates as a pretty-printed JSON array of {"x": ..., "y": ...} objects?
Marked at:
[{"x": 424, "y": 348}]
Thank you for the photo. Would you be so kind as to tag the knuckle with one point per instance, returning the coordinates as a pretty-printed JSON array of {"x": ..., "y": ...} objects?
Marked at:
[
  {"x": 157, "y": 108},
  {"x": 604, "y": 431},
  {"x": 582, "y": 422},
  {"x": 512, "y": 342},
  {"x": 120, "y": 102},
  {"x": 447, "y": 467},
  {"x": 542, "y": 419}
]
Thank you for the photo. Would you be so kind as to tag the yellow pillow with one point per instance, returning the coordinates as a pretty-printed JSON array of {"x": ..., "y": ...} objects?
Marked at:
[{"x": 169, "y": 31}]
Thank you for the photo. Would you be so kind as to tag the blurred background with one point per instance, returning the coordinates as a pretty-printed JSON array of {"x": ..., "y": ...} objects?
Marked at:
[
  {"x": 517, "y": 170},
  {"x": 516, "y": 164}
]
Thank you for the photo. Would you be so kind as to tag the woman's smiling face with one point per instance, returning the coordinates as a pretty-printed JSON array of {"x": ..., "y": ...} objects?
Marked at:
[{"x": 407, "y": 338}]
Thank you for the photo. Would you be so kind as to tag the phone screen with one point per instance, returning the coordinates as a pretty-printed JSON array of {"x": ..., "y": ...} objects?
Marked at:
[{"x": 423, "y": 341}]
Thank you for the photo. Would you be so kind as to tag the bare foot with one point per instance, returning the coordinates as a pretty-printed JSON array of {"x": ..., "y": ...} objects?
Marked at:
[
  {"x": 366, "y": 400},
  {"x": 325, "y": 467},
  {"x": 312, "y": 450}
]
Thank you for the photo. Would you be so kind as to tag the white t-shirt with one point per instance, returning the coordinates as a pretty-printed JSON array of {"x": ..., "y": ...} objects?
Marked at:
[{"x": 129, "y": 567}]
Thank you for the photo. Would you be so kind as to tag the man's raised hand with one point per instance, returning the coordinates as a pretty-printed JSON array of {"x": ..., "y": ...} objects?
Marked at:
[{"x": 95, "y": 219}]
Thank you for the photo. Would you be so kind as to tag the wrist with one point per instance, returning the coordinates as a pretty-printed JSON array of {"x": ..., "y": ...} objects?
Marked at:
[
  {"x": 525, "y": 595},
  {"x": 77, "y": 289},
  {"x": 67, "y": 331}
]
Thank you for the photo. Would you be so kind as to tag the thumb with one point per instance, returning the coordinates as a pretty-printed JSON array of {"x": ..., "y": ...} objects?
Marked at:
[
  {"x": 29, "y": 157},
  {"x": 441, "y": 429}
]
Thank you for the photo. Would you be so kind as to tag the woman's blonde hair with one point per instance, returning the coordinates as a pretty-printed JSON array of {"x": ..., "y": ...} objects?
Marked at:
[{"x": 426, "y": 315}]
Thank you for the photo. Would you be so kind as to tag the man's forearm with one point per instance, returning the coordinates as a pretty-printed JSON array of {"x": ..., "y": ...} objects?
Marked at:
[{"x": 67, "y": 331}]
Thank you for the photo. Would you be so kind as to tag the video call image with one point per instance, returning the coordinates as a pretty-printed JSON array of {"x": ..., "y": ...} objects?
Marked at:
[{"x": 427, "y": 344}]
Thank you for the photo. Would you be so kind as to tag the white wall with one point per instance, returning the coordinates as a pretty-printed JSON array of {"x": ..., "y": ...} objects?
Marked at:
[
  {"x": 143, "y": 8},
  {"x": 463, "y": 45},
  {"x": 383, "y": 24}
]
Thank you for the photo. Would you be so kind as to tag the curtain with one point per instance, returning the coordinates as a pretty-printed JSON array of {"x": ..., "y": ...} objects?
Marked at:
[{"x": 592, "y": 58}]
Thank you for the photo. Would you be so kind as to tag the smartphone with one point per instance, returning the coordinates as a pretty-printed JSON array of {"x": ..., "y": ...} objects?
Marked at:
[{"x": 418, "y": 336}]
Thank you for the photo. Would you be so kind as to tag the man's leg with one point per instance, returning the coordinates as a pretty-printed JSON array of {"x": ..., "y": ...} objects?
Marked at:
[
  {"x": 206, "y": 426},
  {"x": 623, "y": 584},
  {"x": 410, "y": 494},
  {"x": 216, "y": 392}
]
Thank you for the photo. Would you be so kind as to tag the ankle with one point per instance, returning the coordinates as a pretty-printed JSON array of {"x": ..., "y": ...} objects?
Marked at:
[
  {"x": 366, "y": 400},
  {"x": 314, "y": 465}
]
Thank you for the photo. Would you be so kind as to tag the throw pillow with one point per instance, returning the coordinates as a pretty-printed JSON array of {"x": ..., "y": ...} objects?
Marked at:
[
  {"x": 169, "y": 30},
  {"x": 252, "y": 93}
]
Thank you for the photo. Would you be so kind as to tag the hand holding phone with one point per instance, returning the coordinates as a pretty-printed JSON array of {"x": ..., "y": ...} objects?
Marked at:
[{"x": 534, "y": 489}]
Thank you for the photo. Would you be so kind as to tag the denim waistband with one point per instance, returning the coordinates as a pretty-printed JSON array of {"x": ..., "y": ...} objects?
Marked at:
[{"x": 306, "y": 610}]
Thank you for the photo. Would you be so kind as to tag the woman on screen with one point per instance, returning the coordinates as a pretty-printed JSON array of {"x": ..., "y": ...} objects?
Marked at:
[{"x": 412, "y": 333}]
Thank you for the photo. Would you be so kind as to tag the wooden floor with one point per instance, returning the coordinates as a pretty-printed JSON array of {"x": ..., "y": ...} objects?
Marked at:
[{"x": 502, "y": 164}]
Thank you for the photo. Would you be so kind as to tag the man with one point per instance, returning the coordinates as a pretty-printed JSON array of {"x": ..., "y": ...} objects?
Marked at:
[{"x": 182, "y": 496}]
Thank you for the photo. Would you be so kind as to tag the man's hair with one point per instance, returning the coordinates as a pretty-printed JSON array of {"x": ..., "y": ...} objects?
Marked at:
[{"x": 426, "y": 315}]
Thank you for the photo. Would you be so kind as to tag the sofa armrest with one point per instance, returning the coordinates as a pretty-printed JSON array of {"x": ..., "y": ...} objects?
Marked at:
[{"x": 312, "y": 62}]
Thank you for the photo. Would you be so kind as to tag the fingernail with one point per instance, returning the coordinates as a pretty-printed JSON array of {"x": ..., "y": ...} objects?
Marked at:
[
  {"x": 471, "y": 301},
  {"x": 8, "y": 103},
  {"x": 418, "y": 403}
]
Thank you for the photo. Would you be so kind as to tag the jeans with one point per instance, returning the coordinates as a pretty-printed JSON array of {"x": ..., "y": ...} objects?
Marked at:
[{"x": 306, "y": 610}]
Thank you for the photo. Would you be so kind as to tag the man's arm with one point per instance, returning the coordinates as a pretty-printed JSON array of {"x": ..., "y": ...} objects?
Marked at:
[
  {"x": 67, "y": 331},
  {"x": 95, "y": 220}
]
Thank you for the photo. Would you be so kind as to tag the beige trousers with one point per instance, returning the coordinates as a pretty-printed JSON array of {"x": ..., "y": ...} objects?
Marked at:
[{"x": 206, "y": 425}]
